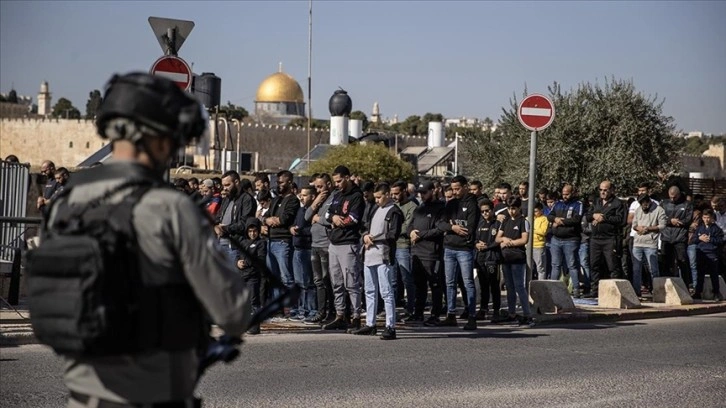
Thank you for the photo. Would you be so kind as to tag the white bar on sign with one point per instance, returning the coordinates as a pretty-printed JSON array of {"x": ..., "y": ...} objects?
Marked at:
[
  {"x": 537, "y": 112},
  {"x": 174, "y": 76}
]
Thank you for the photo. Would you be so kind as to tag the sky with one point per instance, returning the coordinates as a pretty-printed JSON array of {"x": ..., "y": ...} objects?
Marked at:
[{"x": 461, "y": 59}]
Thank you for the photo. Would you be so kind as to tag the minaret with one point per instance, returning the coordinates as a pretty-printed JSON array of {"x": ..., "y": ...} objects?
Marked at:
[
  {"x": 376, "y": 114},
  {"x": 44, "y": 100}
]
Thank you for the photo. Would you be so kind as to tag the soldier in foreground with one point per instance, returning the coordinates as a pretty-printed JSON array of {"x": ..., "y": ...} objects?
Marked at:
[{"x": 131, "y": 326}]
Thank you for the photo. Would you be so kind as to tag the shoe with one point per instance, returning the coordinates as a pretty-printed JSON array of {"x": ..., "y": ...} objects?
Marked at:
[
  {"x": 340, "y": 323},
  {"x": 481, "y": 314},
  {"x": 365, "y": 331},
  {"x": 389, "y": 334},
  {"x": 354, "y": 325},
  {"x": 414, "y": 319},
  {"x": 450, "y": 321},
  {"x": 576, "y": 293},
  {"x": 591, "y": 295},
  {"x": 471, "y": 324},
  {"x": 697, "y": 296},
  {"x": 526, "y": 322},
  {"x": 464, "y": 314},
  {"x": 318, "y": 318},
  {"x": 254, "y": 330},
  {"x": 718, "y": 298},
  {"x": 432, "y": 321}
]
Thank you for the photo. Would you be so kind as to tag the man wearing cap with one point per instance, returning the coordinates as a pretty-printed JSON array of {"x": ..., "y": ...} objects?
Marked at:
[
  {"x": 649, "y": 220},
  {"x": 426, "y": 252}
]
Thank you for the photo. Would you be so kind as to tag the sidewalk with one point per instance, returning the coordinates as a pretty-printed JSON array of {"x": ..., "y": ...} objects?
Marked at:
[{"x": 15, "y": 328}]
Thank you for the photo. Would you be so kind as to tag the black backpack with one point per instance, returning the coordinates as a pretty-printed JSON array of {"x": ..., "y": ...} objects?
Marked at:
[{"x": 83, "y": 281}]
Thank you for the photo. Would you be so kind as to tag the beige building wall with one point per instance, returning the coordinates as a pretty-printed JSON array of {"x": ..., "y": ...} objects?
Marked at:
[
  {"x": 719, "y": 151},
  {"x": 68, "y": 142}
]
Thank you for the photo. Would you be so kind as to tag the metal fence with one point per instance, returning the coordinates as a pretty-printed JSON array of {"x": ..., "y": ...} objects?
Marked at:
[{"x": 14, "y": 184}]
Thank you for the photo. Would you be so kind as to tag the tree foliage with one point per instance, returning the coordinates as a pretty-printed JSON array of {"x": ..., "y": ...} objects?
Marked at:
[
  {"x": 370, "y": 161},
  {"x": 600, "y": 132},
  {"x": 303, "y": 123},
  {"x": 697, "y": 145},
  {"x": 362, "y": 117},
  {"x": 94, "y": 102},
  {"x": 232, "y": 111},
  {"x": 64, "y": 109},
  {"x": 12, "y": 96},
  {"x": 417, "y": 125}
]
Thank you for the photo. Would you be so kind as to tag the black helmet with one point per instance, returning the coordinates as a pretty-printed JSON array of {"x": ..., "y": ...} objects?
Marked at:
[{"x": 140, "y": 104}]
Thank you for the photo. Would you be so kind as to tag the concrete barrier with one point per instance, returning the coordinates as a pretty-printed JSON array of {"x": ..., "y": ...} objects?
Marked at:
[
  {"x": 671, "y": 291},
  {"x": 707, "y": 293},
  {"x": 550, "y": 296},
  {"x": 617, "y": 294}
]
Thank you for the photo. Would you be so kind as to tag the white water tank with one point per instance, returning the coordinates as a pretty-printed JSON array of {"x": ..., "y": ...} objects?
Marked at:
[
  {"x": 355, "y": 128},
  {"x": 338, "y": 130},
  {"x": 436, "y": 134}
]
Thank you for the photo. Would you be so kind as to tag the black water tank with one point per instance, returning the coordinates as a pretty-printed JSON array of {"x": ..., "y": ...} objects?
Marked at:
[
  {"x": 208, "y": 88},
  {"x": 340, "y": 103}
]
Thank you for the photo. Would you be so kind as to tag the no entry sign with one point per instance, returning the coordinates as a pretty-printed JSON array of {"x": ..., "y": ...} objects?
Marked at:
[
  {"x": 536, "y": 112},
  {"x": 175, "y": 69}
]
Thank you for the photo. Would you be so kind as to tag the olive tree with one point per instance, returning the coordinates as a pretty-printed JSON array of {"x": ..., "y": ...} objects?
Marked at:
[{"x": 600, "y": 132}]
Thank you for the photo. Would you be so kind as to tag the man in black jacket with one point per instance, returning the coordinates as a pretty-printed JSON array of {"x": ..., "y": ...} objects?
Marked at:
[
  {"x": 278, "y": 220},
  {"x": 237, "y": 208},
  {"x": 607, "y": 215},
  {"x": 679, "y": 213},
  {"x": 344, "y": 215},
  {"x": 459, "y": 223},
  {"x": 488, "y": 258},
  {"x": 426, "y": 252}
]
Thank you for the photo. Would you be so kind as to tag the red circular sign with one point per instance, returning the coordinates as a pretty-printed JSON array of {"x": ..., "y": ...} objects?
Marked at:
[
  {"x": 536, "y": 112},
  {"x": 175, "y": 69}
]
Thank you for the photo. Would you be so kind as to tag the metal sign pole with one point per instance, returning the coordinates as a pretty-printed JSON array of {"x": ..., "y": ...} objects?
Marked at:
[{"x": 530, "y": 207}]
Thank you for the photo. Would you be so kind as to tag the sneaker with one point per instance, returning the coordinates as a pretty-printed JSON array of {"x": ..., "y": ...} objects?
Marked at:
[
  {"x": 450, "y": 321},
  {"x": 414, "y": 319},
  {"x": 389, "y": 333},
  {"x": 365, "y": 331},
  {"x": 340, "y": 323},
  {"x": 432, "y": 321},
  {"x": 526, "y": 322},
  {"x": 718, "y": 298},
  {"x": 318, "y": 318},
  {"x": 481, "y": 314},
  {"x": 696, "y": 296},
  {"x": 471, "y": 324},
  {"x": 254, "y": 330},
  {"x": 354, "y": 325},
  {"x": 576, "y": 293},
  {"x": 497, "y": 318},
  {"x": 464, "y": 314}
]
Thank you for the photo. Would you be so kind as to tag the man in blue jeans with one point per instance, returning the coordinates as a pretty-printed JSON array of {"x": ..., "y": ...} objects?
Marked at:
[
  {"x": 302, "y": 266},
  {"x": 565, "y": 218},
  {"x": 459, "y": 223},
  {"x": 278, "y": 220},
  {"x": 648, "y": 221}
]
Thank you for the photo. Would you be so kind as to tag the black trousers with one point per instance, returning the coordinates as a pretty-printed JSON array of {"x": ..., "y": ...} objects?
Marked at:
[
  {"x": 321, "y": 279},
  {"x": 675, "y": 253},
  {"x": 708, "y": 264},
  {"x": 427, "y": 273},
  {"x": 251, "y": 277},
  {"x": 605, "y": 260},
  {"x": 488, "y": 275}
]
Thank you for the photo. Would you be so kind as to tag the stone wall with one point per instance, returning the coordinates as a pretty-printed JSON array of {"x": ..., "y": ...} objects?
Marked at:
[
  {"x": 65, "y": 142},
  {"x": 68, "y": 142}
]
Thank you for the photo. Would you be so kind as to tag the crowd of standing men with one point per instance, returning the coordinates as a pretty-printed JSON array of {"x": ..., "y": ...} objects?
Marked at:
[{"x": 348, "y": 243}]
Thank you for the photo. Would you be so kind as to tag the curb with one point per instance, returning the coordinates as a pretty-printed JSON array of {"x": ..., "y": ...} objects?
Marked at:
[
  {"x": 16, "y": 336},
  {"x": 617, "y": 315}
]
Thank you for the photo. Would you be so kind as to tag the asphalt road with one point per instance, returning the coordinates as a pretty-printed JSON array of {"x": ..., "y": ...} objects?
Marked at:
[{"x": 673, "y": 362}]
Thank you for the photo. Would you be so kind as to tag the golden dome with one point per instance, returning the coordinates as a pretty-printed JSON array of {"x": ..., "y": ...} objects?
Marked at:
[{"x": 279, "y": 87}]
